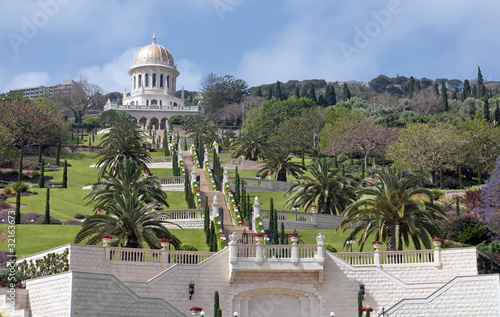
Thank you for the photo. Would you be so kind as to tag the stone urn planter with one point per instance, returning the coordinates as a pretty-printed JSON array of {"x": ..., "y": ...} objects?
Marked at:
[
  {"x": 377, "y": 245},
  {"x": 437, "y": 243},
  {"x": 106, "y": 239},
  {"x": 164, "y": 243},
  {"x": 195, "y": 310},
  {"x": 259, "y": 240},
  {"x": 294, "y": 239}
]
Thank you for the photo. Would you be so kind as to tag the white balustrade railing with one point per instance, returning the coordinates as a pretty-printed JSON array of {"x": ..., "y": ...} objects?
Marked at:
[
  {"x": 246, "y": 251},
  {"x": 407, "y": 257},
  {"x": 356, "y": 258},
  {"x": 276, "y": 251},
  {"x": 171, "y": 180},
  {"x": 158, "y": 256},
  {"x": 289, "y": 215},
  {"x": 182, "y": 214},
  {"x": 307, "y": 251},
  {"x": 271, "y": 251}
]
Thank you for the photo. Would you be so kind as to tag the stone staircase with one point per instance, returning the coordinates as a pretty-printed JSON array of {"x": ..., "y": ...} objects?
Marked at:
[
  {"x": 22, "y": 304},
  {"x": 229, "y": 226}
]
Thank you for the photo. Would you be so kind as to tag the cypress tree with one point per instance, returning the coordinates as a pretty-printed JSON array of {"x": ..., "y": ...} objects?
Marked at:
[
  {"x": 213, "y": 238},
  {"x": 17, "y": 216},
  {"x": 481, "y": 89},
  {"x": 416, "y": 85},
  {"x": 46, "y": 219},
  {"x": 486, "y": 109},
  {"x": 39, "y": 153},
  {"x": 496, "y": 114},
  {"x": 322, "y": 101},
  {"x": 185, "y": 145},
  {"x": 360, "y": 305},
  {"x": 93, "y": 135},
  {"x": 330, "y": 96},
  {"x": 259, "y": 92},
  {"x": 302, "y": 156},
  {"x": 346, "y": 93},
  {"x": 457, "y": 205},
  {"x": 474, "y": 91},
  {"x": 236, "y": 187},
  {"x": 269, "y": 92},
  {"x": 411, "y": 87},
  {"x": 435, "y": 87},
  {"x": 271, "y": 215},
  {"x": 312, "y": 93},
  {"x": 454, "y": 95},
  {"x": 243, "y": 202},
  {"x": 278, "y": 91},
  {"x": 466, "y": 90},
  {"x": 219, "y": 312},
  {"x": 58, "y": 153},
  {"x": 367, "y": 313},
  {"x": 297, "y": 92},
  {"x": 336, "y": 161},
  {"x": 206, "y": 216},
  {"x": 90, "y": 141},
  {"x": 41, "y": 179},
  {"x": 216, "y": 303},
  {"x": 65, "y": 175},
  {"x": 303, "y": 92},
  {"x": 444, "y": 97},
  {"x": 282, "y": 233}
]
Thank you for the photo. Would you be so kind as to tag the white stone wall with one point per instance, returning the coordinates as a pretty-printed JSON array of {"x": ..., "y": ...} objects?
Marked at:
[{"x": 50, "y": 296}]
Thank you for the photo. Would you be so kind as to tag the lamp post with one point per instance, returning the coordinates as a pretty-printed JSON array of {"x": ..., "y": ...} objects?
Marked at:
[
  {"x": 351, "y": 240},
  {"x": 384, "y": 313},
  {"x": 332, "y": 314},
  {"x": 236, "y": 314}
]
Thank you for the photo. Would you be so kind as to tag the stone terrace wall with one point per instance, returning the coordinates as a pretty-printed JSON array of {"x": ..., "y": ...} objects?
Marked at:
[
  {"x": 50, "y": 296},
  {"x": 319, "y": 222}
]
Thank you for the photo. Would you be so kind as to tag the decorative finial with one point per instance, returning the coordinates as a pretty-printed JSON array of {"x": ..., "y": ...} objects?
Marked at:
[{"x": 154, "y": 38}]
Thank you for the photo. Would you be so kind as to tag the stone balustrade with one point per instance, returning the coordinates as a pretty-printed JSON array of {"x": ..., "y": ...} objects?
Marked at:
[
  {"x": 182, "y": 214},
  {"x": 157, "y": 256},
  {"x": 392, "y": 258},
  {"x": 173, "y": 180}
]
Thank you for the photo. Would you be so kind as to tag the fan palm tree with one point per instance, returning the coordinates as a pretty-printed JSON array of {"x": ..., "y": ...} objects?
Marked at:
[
  {"x": 326, "y": 188},
  {"x": 124, "y": 141},
  {"x": 280, "y": 162},
  {"x": 395, "y": 211},
  {"x": 130, "y": 221},
  {"x": 250, "y": 144},
  {"x": 126, "y": 177}
]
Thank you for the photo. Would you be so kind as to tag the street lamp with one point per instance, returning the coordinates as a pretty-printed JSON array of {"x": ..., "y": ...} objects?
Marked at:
[
  {"x": 332, "y": 314},
  {"x": 384, "y": 313},
  {"x": 351, "y": 240},
  {"x": 236, "y": 314}
]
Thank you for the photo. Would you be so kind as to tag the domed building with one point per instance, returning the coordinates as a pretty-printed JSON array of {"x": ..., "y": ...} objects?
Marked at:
[{"x": 152, "y": 100}]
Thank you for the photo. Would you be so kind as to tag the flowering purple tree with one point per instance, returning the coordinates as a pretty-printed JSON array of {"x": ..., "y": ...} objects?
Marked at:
[{"x": 490, "y": 196}]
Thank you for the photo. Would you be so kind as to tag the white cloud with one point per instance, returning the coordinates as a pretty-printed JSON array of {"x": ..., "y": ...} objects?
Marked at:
[
  {"x": 112, "y": 75},
  {"x": 28, "y": 79},
  {"x": 190, "y": 76}
]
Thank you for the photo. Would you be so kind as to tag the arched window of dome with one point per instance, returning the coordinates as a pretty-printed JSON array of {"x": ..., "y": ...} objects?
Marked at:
[
  {"x": 161, "y": 80},
  {"x": 146, "y": 80},
  {"x": 154, "y": 80},
  {"x": 168, "y": 81},
  {"x": 147, "y": 102},
  {"x": 160, "y": 103},
  {"x": 175, "y": 104},
  {"x": 134, "y": 81},
  {"x": 154, "y": 102},
  {"x": 140, "y": 81},
  {"x": 132, "y": 103}
]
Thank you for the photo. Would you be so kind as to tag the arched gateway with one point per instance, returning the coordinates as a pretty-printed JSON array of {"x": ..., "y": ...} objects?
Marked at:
[{"x": 152, "y": 100}]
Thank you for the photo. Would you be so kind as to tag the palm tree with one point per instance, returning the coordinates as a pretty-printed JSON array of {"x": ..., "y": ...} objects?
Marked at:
[
  {"x": 279, "y": 161},
  {"x": 130, "y": 221},
  {"x": 392, "y": 212},
  {"x": 124, "y": 141},
  {"x": 205, "y": 129},
  {"x": 250, "y": 144},
  {"x": 126, "y": 177},
  {"x": 326, "y": 188},
  {"x": 112, "y": 117}
]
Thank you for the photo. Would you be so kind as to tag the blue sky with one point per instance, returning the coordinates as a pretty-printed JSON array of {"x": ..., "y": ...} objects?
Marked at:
[{"x": 44, "y": 42}]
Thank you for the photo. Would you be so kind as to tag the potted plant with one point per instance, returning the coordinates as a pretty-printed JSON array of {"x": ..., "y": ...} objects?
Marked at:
[
  {"x": 313, "y": 208},
  {"x": 294, "y": 238},
  {"x": 195, "y": 310},
  {"x": 366, "y": 311},
  {"x": 106, "y": 239},
  {"x": 437, "y": 242},
  {"x": 241, "y": 223},
  {"x": 377, "y": 245},
  {"x": 164, "y": 243},
  {"x": 258, "y": 237}
]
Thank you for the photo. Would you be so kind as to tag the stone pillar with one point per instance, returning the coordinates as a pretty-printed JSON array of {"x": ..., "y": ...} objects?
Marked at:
[
  {"x": 258, "y": 254},
  {"x": 437, "y": 257},
  {"x": 295, "y": 254},
  {"x": 256, "y": 212},
  {"x": 193, "y": 176},
  {"x": 377, "y": 260},
  {"x": 205, "y": 158},
  {"x": 164, "y": 256},
  {"x": 180, "y": 155},
  {"x": 225, "y": 178},
  {"x": 215, "y": 208},
  {"x": 233, "y": 248},
  {"x": 320, "y": 253}
]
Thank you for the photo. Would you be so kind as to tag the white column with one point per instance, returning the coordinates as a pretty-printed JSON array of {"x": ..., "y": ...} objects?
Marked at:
[
  {"x": 215, "y": 208},
  {"x": 225, "y": 178},
  {"x": 233, "y": 248},
  {"x": 193, "y": 176},
  {"x": 320, "y": 252}
]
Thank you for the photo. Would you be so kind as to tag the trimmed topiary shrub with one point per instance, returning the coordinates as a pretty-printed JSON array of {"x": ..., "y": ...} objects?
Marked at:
[
  {"x": 188, "y": 247},
  {"x": 79, "y": 216},
  {"x": 330, "y": 247},
  {"x": 20, "y": 187}
]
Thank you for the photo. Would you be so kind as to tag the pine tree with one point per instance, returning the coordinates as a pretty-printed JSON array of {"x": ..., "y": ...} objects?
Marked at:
[
  {"x": 65, "y": 175},
  {"x": 58, "y": 153},
  {"x": 481, "y": 89},
  {"x": 17, "y": 216},
  {"x": 216, "y": 303},
  {"x": 41, "y": 179},
  {"x": 416, "y": 85},
  {"x": 322, "y": 101},
  {"x": 46, "y": 219},
  {"x": 312, "y": 93},
  {"x": 486, "y": 109},
  {"x": 435, "y": 87},
  {"x": 297, "y": 92},
  {"x": 465, "y": 90},
  {"x": 269, "y": 92},
  {"x": 444, "y": 97},
  {"x": 496, "y": 114},
  {"x": 346, "y": 93},
  {"x": 278, "y": 91},
  {"x": 259, "y": 92}
]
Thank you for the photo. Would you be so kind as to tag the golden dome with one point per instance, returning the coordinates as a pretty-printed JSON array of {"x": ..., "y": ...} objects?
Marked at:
[{"x": 154, "y": 54}]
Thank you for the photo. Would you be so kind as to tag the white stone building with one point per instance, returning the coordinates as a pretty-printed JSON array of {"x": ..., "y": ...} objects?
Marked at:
[
  {"x": 262, "y": 280},
  {"x": 152, "y": 100}
]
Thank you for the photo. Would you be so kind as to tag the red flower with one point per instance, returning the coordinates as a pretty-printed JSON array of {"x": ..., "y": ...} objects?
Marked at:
[
  {"x": 377, "y": 242},
  {"x": 221, "y": 233},
  {"x": 258, "y": 235},
  {"x": 196, "y": 308},
  {"x": 367, "y": 308},
  {"x": 294, "y": 235},
  {"x": 106, "y": 236},
  {"x": 164, "y": 240},
  {"x": 438, "y": 239},
  {"x": 241, "y": 222}
]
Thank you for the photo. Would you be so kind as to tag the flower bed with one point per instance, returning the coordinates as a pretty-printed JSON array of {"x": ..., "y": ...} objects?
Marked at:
[{"x": 26, "y": 193}]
